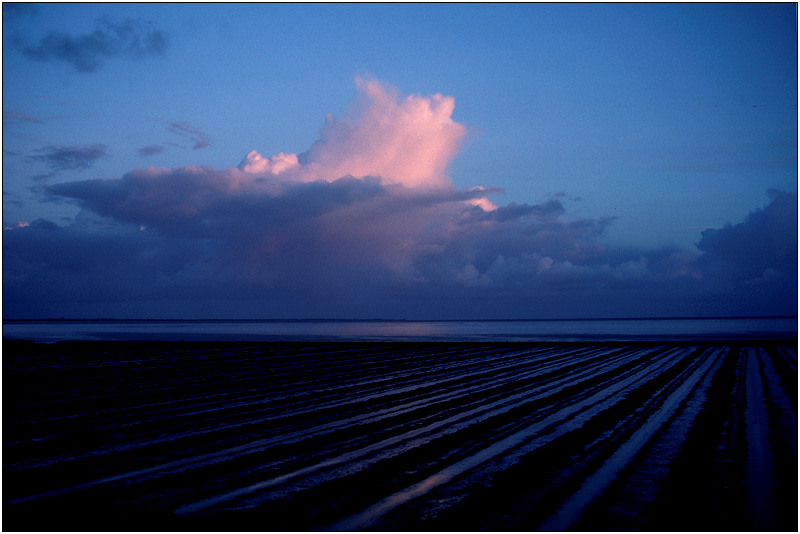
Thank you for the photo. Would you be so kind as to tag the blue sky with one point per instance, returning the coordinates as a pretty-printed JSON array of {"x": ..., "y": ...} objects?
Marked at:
[{"x": 630, "y": 153}]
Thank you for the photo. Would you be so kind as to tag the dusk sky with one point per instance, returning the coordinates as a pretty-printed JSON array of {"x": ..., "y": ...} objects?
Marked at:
[{"x": 399, "y": 161}]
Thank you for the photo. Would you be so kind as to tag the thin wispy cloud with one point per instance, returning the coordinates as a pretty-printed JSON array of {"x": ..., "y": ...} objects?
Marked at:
[
  {"x": 150, "y": 150},
  {"x": 111, "y": 39},
  {"x": 13, "y": 115},
  {"x": 190, "y": 132},
  {"x": 70, "y": 157}
]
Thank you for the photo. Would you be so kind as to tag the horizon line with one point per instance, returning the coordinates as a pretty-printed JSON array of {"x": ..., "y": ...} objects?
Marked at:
[{"x": 350, "y": 320}]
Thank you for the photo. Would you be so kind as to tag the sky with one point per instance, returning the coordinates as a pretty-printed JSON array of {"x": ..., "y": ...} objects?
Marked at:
[{"x": 399, "y": 161}]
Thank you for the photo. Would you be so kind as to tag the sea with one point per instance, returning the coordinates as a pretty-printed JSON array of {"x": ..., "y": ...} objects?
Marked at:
[{"x": 313, "y": 330}]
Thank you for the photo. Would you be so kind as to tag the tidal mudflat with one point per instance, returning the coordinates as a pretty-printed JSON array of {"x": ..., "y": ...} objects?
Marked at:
[{"x": 400, "y": 436}]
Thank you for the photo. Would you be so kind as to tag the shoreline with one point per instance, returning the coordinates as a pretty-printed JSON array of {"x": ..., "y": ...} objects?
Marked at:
[{"x": 620, "y": 330}]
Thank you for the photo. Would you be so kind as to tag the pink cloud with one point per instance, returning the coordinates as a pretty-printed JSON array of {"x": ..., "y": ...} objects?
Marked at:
[
  {"x": 406, "y": 141},
  {"x": 254, "y": 163}
]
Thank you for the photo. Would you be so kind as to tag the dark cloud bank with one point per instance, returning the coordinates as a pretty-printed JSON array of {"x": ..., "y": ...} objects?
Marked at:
[
  {"x": 291, "y": 236},
  {"x": 354, "y": 248}
]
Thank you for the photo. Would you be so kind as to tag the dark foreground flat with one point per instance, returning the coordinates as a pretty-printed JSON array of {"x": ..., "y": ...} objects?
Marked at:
[{"x": 152, "y": 436}]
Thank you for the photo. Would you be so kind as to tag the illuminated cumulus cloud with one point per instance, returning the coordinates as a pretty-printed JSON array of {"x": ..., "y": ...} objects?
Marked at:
[
  {"x": 407, "y": 141},
  {"x": 254, "y": 163}
]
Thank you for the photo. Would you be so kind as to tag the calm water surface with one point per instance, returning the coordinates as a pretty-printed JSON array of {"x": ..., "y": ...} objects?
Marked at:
[{"x": 540, "y": 330}]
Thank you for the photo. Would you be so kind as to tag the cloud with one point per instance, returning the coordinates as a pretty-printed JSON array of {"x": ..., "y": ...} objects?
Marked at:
[
  {"x": 70, "y": 157},
  {"x": 15, "y": 10},
  {"x": 150, "y": 150},
  {"x": 13, "y": 115},
  {"x": 341, "y": 237},
  {"x": 204, "y": 201},
  {"x": 254, "y": 163},
  {"x": 18, "y": 224},
  {"x": 129, "y": 39},
  {"x": 369, "y": 200},
  {"x": 48, "y": 268},
  {"x": 367, "y": 223},
  {"x": 186, "y": 130},
  {"x": 759, "y": 251},
  {"x": 408, "y": 141},
  {"x": 548, "y": 211}
]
